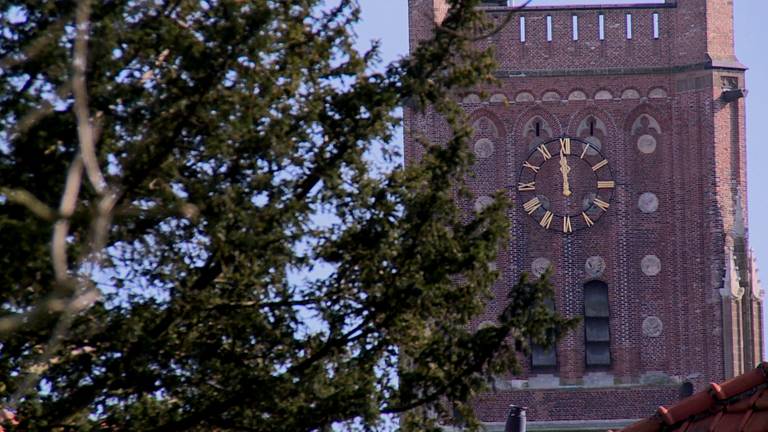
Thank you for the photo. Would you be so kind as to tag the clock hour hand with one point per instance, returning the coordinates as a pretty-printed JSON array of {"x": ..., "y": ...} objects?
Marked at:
[{"x": 564, "y": 170}]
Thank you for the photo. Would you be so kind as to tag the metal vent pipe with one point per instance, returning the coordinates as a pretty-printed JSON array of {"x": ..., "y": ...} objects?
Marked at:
[{"x": 516, "y": 419}]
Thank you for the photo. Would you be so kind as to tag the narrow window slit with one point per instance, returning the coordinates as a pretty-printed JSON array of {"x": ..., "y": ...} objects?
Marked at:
[
  {"x": 656, "y": 28},
  {"x": 575, "y": 27},
  {"x": 522, "y": 29},
  {"x": 538, "y": 128},
  {"x": 601, "y": 26},
  {"x": 549, "y": 28},
  {"x": 629, "y": 26}
]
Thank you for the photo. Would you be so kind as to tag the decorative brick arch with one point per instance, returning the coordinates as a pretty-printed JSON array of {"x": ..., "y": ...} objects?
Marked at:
[
  {"x": 487, "y": 124},
  {"x": 524, "y": 130},
  {"x": 577, "y": 95},
  {"x": 537, "y": 111},
  {"x": 657, "y": 120},
  {"x": 592, "y": 111}
]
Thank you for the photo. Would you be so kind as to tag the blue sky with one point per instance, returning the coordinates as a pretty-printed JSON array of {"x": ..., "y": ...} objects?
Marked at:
[{"x": 387, "y": 21}]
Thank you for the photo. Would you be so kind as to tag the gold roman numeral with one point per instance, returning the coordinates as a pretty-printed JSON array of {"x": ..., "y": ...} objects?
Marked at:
[
  {"x": 533, "y": 168},
  {"x": 584, "y": 153},
  {"x": 532, "y": 205},
  {"x": 525, "y": 187},
  {"x": 608, "y": 184},
  {"x": 600, "y": 164},
  {"x": 589, "y": 221},
  {"x": 567, "y": 228},
  {"x": 602, "y": 204},
  {"x": 565, "y": 146},
  {"x": 544, "y": 152},
  {"x": 546, "y": 221}
]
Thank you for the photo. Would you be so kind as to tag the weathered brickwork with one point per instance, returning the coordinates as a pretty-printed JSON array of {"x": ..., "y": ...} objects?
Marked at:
[{"x": 656, "y": 108}]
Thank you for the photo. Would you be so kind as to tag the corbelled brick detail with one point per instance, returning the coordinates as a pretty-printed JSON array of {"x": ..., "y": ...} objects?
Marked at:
[{"x": 668, "y": 87}]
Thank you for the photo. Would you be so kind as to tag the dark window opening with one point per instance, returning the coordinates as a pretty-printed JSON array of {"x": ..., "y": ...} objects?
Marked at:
[
  {"x": 597, "y": 336},
  {"x": 591, "y": 127},
  {"x": 686, "y": 390},
  {"x": 538, "y": 129},
  {"x": 542, "y": 357}
]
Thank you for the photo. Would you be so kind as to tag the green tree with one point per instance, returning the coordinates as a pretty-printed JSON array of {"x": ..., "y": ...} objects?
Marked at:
[{"x": 195, "y": 236}]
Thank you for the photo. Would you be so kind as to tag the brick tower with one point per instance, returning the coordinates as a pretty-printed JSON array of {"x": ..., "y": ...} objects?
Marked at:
[{"x": 618, "y": 133}]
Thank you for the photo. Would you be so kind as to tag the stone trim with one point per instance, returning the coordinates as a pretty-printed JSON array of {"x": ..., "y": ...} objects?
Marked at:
[
  {"x": 615, "y": 71},
  {"x": 570, "y": 426}
]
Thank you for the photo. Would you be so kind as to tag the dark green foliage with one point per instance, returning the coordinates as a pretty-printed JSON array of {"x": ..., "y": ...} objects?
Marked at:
[{"x": 236, "y": 136}]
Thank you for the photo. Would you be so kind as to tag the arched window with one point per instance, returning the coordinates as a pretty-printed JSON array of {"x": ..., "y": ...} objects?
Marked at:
[
  {"x": 536, "y": 131},
  {"x": 597, "y": 337}
]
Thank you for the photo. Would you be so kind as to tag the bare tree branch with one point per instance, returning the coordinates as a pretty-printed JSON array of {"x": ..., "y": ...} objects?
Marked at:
[
  {"x": 85, "y": 162},
  {"x": 85, "y": 129},
  {"x": 25, "y": 198},
  {"x": 61, "y": 228}
]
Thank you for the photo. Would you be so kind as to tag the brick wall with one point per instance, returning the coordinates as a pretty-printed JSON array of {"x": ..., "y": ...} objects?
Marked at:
[{"x": 667, "y": 88}]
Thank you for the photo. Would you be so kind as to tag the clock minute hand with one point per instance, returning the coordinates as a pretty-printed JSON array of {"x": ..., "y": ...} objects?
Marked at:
[{"x": 565, "y": 169}]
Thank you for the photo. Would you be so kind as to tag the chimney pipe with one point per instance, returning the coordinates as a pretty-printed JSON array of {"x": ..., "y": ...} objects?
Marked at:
[{"x": 516, "y": 420}]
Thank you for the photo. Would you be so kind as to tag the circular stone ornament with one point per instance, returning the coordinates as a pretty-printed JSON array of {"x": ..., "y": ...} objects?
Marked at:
[
  {"x": 646, "y": 144},
  {"x": 540, "y": 266},
  {"x": 648, "y": 202},
  {"x": 481, "y": 203},
  {"x": 652, "y": 327},
  {"x": 483, "y": 148},
  {"x": 595, "y": 266},
  {"x": 651, "y": 265}
]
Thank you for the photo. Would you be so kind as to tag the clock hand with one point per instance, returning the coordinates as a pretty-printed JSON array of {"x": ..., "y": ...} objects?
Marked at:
[{"x": 565, "y": 169}]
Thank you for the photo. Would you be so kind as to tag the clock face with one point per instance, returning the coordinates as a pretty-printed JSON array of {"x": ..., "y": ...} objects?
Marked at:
[{"x": 566, "y": 185}]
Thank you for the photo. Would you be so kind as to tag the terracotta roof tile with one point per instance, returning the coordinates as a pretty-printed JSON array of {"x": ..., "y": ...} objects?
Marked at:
[
  {"x": 758, "y": 422},
  {"x": 737, "y": 405},
  {"x": 744, "y": 382}
]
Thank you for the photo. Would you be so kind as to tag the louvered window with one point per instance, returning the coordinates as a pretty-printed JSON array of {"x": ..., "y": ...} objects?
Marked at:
[{"x": 597, "y": 337}]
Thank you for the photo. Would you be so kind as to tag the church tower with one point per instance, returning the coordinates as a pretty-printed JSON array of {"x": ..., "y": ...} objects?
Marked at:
[{"x": 618, "y": 133}]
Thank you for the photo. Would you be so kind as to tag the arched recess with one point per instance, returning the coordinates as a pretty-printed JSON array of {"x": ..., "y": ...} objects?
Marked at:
[
  {"x": 657, "y": 93},
  {"x": 630, "y": 93},
  {"x": 471, "y": 98},
  {"x": 645, "y": 132},
  {"x": 551, "y": 96},
  {"x": 577, "y": 95},
  {"x": 603, "y": 95},
  {"x": 497, "y": 98},
  {"x": 486, "y": 125},
  {"x": 594, "y": 126},
  {"x": 644, "y": 129},
  {"x": 534, "y": 127},
  {"x": 487, "y": 138},
  {"x": 524, "y": 96}
]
